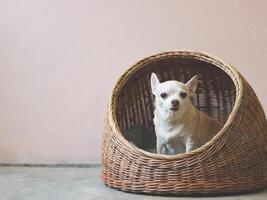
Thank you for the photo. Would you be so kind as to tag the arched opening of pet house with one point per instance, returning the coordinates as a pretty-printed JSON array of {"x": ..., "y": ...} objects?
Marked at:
[{"x": 215, "y": 95}]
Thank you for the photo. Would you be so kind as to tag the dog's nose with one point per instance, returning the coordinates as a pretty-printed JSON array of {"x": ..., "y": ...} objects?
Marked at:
[{"x": 175, "y": 102}]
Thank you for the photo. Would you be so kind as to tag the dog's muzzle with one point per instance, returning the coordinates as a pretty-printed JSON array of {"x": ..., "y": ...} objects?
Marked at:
[
  {"x": 174, "y": 109},
  {"x": 175, "y": 105}
]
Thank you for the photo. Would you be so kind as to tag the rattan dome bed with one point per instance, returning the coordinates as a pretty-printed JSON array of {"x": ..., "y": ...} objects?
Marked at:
[{"x": 235, "y": 160}]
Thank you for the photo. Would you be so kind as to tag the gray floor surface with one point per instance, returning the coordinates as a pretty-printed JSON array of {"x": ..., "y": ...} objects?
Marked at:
[{"x": 48, "y": 183}]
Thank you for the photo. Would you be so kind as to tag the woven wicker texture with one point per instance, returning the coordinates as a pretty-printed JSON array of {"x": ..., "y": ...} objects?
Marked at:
[{"x": 235, "y": 160}]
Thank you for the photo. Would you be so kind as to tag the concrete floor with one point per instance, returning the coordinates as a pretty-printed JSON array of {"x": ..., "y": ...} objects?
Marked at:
[{"x": 48, "y": 183}]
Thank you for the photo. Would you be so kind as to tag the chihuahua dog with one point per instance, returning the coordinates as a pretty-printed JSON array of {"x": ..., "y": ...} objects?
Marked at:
[{"x": 179, "y": 126}]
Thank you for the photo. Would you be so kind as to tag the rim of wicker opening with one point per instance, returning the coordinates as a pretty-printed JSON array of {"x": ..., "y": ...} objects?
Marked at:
[
  {"x": 209, "y": 169},
  {"x": 230, "y": 70}
]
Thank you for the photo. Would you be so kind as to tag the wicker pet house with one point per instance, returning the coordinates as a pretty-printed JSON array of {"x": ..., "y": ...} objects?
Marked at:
[{"x": 235, "y": 160}]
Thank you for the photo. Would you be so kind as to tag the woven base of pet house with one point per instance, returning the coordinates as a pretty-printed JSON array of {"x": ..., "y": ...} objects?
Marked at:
[{"x": 235, "y": 160}]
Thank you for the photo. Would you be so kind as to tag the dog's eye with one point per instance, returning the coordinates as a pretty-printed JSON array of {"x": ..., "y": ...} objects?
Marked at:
[
  {"x": 183, "y": 94},
  {"x": 163, "y": 95}
]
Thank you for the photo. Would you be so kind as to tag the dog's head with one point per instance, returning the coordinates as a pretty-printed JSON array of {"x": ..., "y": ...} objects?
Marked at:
[{"x": 173, "y": 97}]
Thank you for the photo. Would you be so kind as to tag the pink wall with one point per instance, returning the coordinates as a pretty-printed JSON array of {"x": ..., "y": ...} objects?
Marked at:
[{"x": 59, "y": 59}]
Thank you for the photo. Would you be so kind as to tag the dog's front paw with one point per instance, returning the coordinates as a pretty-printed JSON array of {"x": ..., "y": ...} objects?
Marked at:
[
  {"x": 161, "y": 148},
  {"x": 190, "y": 145}
]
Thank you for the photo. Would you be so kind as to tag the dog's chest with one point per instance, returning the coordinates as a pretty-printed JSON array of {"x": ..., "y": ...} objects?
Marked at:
[{"x": 168, "y": 133}]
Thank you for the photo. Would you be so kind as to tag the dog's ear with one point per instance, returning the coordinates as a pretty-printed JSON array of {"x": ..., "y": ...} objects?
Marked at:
[
  {"x": 192, "y": 85},
  {"x": 154, "y": 83}
]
